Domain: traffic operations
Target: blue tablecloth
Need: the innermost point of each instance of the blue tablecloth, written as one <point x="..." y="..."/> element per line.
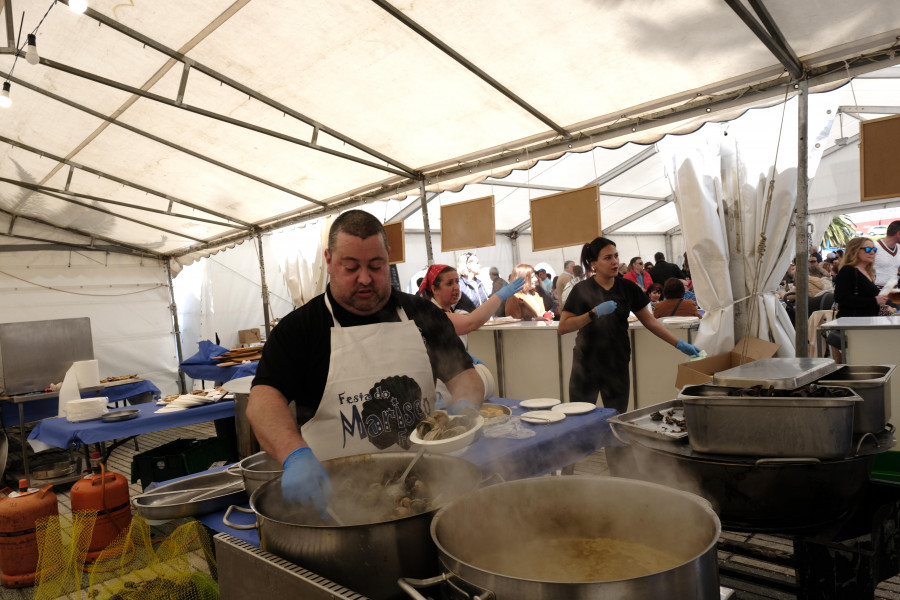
<point x="61" y="433"/>
<point x="49" y="407"/>
<point x="555" y="446"/>
<point x="202" y="366"/>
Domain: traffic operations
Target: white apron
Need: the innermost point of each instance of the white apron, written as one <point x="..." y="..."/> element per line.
<point x="379" y="386"/>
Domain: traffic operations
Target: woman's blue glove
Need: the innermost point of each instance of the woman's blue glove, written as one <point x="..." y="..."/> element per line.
<point x="688" y="348"/>
<point x="305" y="481"/>
<point x="509" y="290"/>
<point x="604" y="308"/>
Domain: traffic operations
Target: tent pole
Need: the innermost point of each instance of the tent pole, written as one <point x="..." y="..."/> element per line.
<point x="424" y="199"/>
<point x="265" y="287"/>
<point x="182" y="388"/>
<point x="801" y="280"/>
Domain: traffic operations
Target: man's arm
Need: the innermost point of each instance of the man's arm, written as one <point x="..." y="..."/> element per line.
<point x="272" y="422"/>
<point x="467" y="386"/>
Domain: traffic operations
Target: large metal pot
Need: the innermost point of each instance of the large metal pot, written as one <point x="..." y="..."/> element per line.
<point x="370" y="557"/>
<point x="757" y="494"/>
<point x="508" y="519"/>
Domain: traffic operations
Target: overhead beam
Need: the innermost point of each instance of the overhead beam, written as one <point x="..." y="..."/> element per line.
<point x="769" y="34"/>
<point x="212" y="115"/>
<point x="124" y="182"/>
<point x="639" y="214"/>
<point x="46" y="189"/>
<point x="869" y="110"/>
<point x="163" y="49"/>
<point x="840" y="144"/>
<point x="58" y="246"/>
<point x="470" y="66"/>
<point x="412" y="208"/>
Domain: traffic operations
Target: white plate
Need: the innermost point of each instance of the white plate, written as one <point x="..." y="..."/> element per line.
<point x="542" y="417"/>
<point x="574" y="408"/>
<point x="538" y="403"/>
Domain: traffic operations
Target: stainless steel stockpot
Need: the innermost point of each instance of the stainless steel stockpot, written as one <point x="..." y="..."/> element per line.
<point x="505" y="516"/>
<point x="367" y="558"/>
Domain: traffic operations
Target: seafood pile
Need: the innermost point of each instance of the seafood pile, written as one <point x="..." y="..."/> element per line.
<point x="386" y="500"/>
<point x="441" y="426"/>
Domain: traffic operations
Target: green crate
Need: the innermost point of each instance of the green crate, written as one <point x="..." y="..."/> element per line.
<point x="177" y="459"/>
<point x="886" y="466"/>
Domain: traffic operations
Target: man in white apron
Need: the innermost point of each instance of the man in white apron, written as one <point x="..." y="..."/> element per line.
<point x="359" y="362"/>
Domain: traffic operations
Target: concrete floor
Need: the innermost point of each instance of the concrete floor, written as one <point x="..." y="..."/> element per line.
<point x="595" y="464"/>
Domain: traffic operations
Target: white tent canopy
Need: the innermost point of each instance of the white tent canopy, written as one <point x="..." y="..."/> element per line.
<point x="172" y="130"/>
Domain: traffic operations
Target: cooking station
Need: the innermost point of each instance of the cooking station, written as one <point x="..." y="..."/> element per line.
<point x="782" y="446"/>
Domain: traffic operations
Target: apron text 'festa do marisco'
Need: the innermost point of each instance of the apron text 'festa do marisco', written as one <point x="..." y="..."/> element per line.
<point x="379" y="386"/>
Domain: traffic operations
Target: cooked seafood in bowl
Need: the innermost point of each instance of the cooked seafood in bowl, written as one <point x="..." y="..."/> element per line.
<point x="445" y="433"/>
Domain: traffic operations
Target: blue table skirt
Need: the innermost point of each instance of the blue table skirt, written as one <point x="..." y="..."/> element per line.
<point x="49" y="407"/>
<point x="555" y="446"/>
<point x="61" y="433"/>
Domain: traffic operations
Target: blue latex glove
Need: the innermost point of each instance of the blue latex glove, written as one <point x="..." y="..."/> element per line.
<point x="305" y="481"/>
<point x="462" y="407"/>
<point x="510" y="289"/>
<point x="604" y="308"/>
<point x="688" y="348"/>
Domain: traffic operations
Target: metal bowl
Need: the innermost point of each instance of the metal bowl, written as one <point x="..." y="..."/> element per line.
<point x="191" y="496"/>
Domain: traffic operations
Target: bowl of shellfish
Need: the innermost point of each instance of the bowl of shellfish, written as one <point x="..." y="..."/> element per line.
<point x="442" y="432"/>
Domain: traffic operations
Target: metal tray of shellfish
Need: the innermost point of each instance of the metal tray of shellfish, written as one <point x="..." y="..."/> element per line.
<point x="663" y="421"/>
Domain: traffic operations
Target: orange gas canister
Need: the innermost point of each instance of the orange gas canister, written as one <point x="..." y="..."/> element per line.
<point x="106" y="493"/>
<point x="18" y="543"/>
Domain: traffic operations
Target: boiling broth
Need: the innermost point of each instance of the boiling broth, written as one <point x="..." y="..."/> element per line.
<point x="578" y="560"/>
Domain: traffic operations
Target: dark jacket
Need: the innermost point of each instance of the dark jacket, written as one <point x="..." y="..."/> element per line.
<point x="663" y="270"/>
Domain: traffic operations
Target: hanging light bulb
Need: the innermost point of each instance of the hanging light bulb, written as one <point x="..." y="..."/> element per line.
<point x="5" y="100"/>
<point x="78" y="6"/>
<point x="31" y="53"/>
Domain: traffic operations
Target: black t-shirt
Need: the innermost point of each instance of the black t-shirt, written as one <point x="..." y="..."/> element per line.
<point x="609" y="333"/>
<point x="297" y="353"/>
<point x="662" y="270"/>
<point x="855" y="294"/>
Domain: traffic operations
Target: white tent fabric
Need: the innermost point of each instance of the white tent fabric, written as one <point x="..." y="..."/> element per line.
<point x="299" y="252"/>
<point x="740" y="239"/>
<point x="174" y="128"/>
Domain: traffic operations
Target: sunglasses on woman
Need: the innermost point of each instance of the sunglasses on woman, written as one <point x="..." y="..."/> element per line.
<point x="870" y="249"/>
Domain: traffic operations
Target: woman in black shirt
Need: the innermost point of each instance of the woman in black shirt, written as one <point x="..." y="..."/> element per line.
<point x="855" y="291"/>
<point x="598" y="309"/>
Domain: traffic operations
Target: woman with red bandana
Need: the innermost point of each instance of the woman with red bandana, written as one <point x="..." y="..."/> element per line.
<point x="441" y="286"/>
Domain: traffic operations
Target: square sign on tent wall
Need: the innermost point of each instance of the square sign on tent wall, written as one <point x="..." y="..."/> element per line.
<point x="878" y="172"/>
<point x="468" y="224"/>
<point x="397" y="252"/>
<point x="566" y="219"/>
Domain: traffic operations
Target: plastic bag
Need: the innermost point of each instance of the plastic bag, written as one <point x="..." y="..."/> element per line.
<point x="511" y="427"/>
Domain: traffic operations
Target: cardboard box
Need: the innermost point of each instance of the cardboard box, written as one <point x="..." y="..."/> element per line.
<point x="249" y="336"/>
<point x="698" y="372"/>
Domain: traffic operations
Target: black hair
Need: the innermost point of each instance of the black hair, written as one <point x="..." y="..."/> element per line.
<point x="357" y="223"/>
<point x="659" y="257"/>
<point x="673" y="288"/>
<point x="591" y="251"/>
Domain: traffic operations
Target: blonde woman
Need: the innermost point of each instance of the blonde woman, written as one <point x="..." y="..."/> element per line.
<point x="527" y="304"/>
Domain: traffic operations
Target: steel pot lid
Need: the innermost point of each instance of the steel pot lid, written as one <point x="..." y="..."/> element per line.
<point x="781" y="373"/>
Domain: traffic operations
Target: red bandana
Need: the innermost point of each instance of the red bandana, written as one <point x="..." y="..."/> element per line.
<point x="430" y="276"/>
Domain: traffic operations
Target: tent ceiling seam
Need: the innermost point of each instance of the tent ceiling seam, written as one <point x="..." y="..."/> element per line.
<point x="136" y="186"/>
<point x="471" y="67"/>
<point x="161" y="48"/>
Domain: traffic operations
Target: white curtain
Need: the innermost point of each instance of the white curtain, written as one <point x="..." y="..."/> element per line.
<point x="300" y="253"/>
<point x="739" y="240"/>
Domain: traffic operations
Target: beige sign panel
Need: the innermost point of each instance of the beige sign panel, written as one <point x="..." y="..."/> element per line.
<point x="879" y="158"/>
<point x="565" y="219"/>
<point x="396" y="239"/>
<point x="468" y="224"/>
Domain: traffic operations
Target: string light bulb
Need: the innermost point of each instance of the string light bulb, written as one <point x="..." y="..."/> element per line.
<point x="31" y="53"/>
<point x="5" y="100"/>
<point x="78" y="6"/>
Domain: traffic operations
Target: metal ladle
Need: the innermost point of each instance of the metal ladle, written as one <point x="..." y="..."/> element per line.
<point x="419" y="454"/>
